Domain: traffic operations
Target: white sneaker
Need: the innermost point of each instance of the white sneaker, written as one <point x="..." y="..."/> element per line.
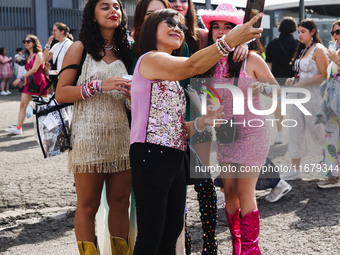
<point x="292" y="174"/>
<point x="279" y="138"/>
<point x="3" y="93"/>
<point x="281" y="189"/>
<point x="13" y="130"/>
<point x="8" y="92"/>
<point x="220" y="199"/>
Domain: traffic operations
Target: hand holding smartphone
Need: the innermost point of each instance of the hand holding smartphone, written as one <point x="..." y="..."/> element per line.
<point x="253" y="8"/>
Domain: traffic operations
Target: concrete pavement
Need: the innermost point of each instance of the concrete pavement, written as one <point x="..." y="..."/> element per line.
<point x="37" y="203"/>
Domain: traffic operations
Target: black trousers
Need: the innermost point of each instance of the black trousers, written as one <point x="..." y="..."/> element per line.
<point x="158" y="181"/>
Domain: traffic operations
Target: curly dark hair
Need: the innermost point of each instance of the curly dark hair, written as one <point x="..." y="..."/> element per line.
<point x="93" y="40"/>
<point x="287" y="26"/>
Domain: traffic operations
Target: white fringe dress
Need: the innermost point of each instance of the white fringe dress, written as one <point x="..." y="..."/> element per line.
<point x="99" y="130"/>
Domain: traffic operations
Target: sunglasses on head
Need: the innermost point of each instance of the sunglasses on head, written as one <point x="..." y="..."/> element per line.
<point x="172" y="24"/>
<point x="335" y="32"/>
<point x="26" y="41"/>
<point x="173" y="1"/>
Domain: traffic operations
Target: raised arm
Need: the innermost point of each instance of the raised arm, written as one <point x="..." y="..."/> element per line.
<point x="159" y="65"/>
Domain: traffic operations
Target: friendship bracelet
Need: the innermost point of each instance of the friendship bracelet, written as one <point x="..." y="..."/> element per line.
<point x="223" y="52"/>
<point x="81" y="93"/>
<point x="196" y="128"/>
<point x="226" y="44"/>
<point x="100" y="86"/>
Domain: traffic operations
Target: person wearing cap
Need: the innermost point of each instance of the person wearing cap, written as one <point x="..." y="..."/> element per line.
<point x="244" y="153"/>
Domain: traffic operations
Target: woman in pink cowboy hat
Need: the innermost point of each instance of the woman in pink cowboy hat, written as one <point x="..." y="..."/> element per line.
<point x="244" y="153"/>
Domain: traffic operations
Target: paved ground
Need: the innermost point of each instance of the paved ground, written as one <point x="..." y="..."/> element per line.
<point x="37" y="203"/>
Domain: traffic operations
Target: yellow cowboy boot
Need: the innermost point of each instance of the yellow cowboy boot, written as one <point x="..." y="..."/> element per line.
<point x="87" y="248"/>
<point x="119" y="246"/>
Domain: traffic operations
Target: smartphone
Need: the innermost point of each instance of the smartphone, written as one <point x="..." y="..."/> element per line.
<point x="253" y="8"/>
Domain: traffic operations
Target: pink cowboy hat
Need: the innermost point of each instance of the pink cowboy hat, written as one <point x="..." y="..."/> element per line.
<point x="224" y="12"/>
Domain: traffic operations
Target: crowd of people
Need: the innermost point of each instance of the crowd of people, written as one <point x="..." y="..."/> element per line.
<point x="133" y="134"/>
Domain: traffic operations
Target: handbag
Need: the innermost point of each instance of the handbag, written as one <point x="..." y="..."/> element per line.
<point x="228" y="133"/>
<point x="32" y="86"/>
<point x="195" y="170"/>
<point x="52" y="120"/>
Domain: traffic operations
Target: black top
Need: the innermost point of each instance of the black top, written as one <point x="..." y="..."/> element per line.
<point x="280" y="58"/>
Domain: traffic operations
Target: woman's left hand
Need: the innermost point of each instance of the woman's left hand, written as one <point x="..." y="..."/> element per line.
<point x="333" y="56"/>
<point x="240" y="52"/>
<point x="257" y="88"/>
<point x="16" y="82"/>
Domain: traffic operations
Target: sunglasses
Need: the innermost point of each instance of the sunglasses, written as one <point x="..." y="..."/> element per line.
<point x="337" y="32"/>
<point x="26" y="41"/>
<point x="173" y="1"/>
<point x="172" y="24"/>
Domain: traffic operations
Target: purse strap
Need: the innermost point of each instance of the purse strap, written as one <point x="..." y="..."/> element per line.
<point x="73" y="66"/>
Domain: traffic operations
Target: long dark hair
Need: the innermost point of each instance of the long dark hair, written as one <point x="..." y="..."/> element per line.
<point x="232" y="65"/>
<point x="138" y="19"/>
<point x="2" y="51"/>
<point x="310" y="25"/>
<point x="191" y="37"/>
<point x="147" y="40"/>
<point x="93" y="40"/>
<point x="37" y="46"/>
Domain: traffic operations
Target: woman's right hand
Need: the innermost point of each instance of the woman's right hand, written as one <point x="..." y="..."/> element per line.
<point x="244" y="33"/>
<point x="117" y="83"/>
<point x="289" y="81"/>
<point x="50" y="40"/>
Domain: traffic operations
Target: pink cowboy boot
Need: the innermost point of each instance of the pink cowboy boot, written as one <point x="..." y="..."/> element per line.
<point x="234" y="227"/>
<point x="250" y="230"/>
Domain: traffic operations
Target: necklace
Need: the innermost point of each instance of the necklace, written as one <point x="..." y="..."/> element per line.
<point x="109" y="47"/>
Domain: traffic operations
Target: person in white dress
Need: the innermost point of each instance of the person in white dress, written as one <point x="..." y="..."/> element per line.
<point x="310" y="63"/>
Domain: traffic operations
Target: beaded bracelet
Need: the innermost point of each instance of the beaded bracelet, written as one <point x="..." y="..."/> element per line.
<point x="225" y="44"/>
<point x="223" y="52"/>
<point x="22" y="78"/>
<point x="91" y="88"/>
<point x="196" y="128"/>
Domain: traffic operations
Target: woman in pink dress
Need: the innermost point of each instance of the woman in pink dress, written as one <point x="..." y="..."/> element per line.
<point x="5" y="72"/>
<point x="250" y="150"/>
<point x="34" y="65"/>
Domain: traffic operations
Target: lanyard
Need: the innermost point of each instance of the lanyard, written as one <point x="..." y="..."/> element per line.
<point x="304" y="51"/>
<point x="301" y="55"/>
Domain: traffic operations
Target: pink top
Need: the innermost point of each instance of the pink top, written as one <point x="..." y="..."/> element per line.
<point x="158" y="112"/>
<point x="5" y="68"/>
<point x="38" y="76"/>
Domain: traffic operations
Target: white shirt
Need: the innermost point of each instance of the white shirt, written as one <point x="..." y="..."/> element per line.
<point x="63" y="46"/>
